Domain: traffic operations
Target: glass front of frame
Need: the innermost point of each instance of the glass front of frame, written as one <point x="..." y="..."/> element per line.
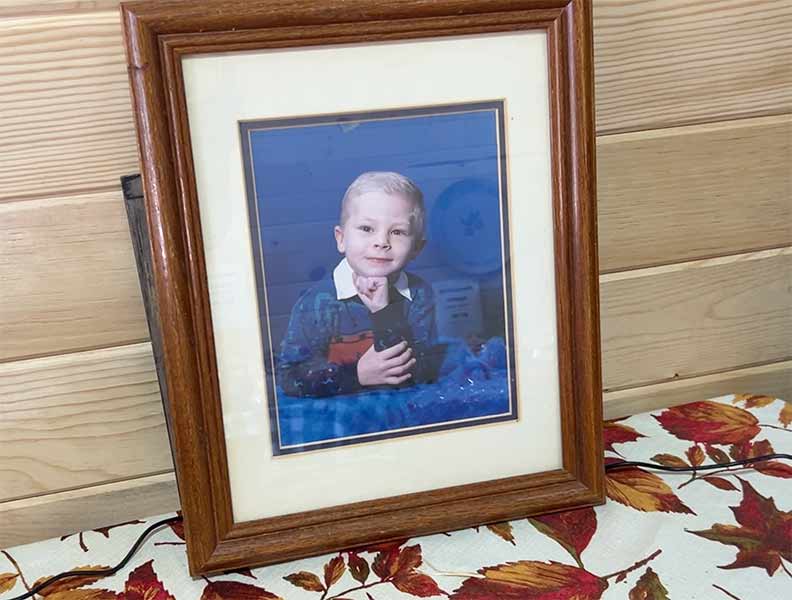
<point x="439" y="264"/>
<point x="380" y="242"/>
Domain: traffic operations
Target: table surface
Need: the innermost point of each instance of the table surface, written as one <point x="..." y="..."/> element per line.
<point x="718" y="534"/>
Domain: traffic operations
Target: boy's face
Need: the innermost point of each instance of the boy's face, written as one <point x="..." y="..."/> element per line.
<point x="379" y="236"/>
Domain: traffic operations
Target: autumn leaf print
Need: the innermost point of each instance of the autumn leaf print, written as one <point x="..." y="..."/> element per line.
<point x="642" y="491"/>
<point x="358" y="567"/>
<point x="572" y="529"/>
<point x="532" y="580"/>
<point x="648" y="587"/>
<point x="305" y="580"/>
<point x="503" y="530"/>
<point x="616" y="433"/>
<point x="59" y="588"/>
<point x="142" y="584"/>
<point x="232" y="590"/>
<point x="763" y="536"/>
<point x="7" y="581"/>
<point x="709" y="423"/>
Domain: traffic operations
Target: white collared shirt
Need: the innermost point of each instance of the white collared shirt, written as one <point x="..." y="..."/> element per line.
<point x="345" y="285"/>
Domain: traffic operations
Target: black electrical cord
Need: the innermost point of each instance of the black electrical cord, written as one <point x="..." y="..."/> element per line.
<point x="623" y="464"/>
<point x="99" y="572"/>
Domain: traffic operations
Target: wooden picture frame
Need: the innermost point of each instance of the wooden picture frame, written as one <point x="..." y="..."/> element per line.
<point x="159" y="36"/>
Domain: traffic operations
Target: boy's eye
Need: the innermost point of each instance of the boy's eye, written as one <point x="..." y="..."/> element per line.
<point x="399" y="232"/>
<point x="366" y="228"/>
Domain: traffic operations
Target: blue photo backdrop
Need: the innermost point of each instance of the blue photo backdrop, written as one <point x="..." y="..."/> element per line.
<point x="297" y="172"/>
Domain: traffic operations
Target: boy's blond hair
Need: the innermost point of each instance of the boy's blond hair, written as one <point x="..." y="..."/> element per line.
<point x="390" y="183"/>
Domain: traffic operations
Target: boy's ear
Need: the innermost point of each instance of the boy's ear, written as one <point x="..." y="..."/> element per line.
<point x="339" y="238"/>
<point x="419" y="245"/>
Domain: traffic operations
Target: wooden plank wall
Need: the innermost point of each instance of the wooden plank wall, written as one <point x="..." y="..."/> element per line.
<point x="694" y="118"/>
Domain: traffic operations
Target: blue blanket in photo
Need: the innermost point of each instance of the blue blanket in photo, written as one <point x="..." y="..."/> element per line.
<point x="468" y="386"/>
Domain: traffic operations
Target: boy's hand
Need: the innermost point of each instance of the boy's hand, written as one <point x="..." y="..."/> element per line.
<point x="389" y="367"/>
<point x="373" y="291"/>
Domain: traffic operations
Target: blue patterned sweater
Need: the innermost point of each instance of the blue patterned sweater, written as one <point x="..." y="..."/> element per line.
<point x="326" y="337"/>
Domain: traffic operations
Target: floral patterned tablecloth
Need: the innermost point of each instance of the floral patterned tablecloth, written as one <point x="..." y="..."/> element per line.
<point x="718" y="534"/>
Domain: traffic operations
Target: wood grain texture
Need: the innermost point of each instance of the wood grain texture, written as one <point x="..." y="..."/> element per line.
<point x="67" y="124"/>
<point x="80" y="419"/>
<point x="69" y="277"/>
<point x="669" y="62"/>
<point x="156" y="36"/>
<point x="62" y="513"/>
<point x="694" y="192"/>
<point x="697" y="317"/>
<point x="774" y="379"/>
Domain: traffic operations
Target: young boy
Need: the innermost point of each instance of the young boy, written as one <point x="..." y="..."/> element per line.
<point x="372" y="324"/>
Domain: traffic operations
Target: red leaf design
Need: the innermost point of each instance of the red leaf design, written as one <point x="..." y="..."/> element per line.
<point x="720" y="483"/>
<point x="142" y="584"/>
<point x="178" y="528"/>
<point x="709" y="422"/>
<point x="503" y="530"/>
<point x="774" y="469"/>
<point x="747" y="450"/>
<point x="305" y="580"/>
<point x="532" y="580"/>
<point x="572" y="529"/>
<point x="387" y="564"/>
<point x="233" y="590"/>
<point x="643" y="491"/>
<point x="416" y="584"/>
<point x="616" y="433"/>
<point x="333" y="570"/>
<point x="358" y="567"/>
<point x="695" y="455"/>
<point x="764" y="534"/>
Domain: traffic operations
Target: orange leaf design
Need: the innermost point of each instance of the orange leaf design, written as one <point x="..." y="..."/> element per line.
<point x="669" y="460"/>
<point x="333" y="570"/>
<point x="616" y="433"/>
<point x="388" y="563"/>
<point x="648" y="587"/>
<point x="83" y="594"/>
<point x="416" y="584"/>
<point x="7" y="581"/>
<point x="142" y="584"/>
<point x="572" y="529"/>
<point x="642" y="491"/>
<point x="748" y="450"/>
<point x="532" y="580"/>
<point x="695" y="455"/>
<point x="753" y="400"/>
<point x="717" y="455"/>
<point x="785" y="416"/>
<point x="358" y="567"/>
<point x="709" y="422"/>
<point x="763" y="536"/>
<point x="305" y="580"/>
<point x="503" y="530"/>
<point x="232" y="590"/>
<point x="70" y="583"/>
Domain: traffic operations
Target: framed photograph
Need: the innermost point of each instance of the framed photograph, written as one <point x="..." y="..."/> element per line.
<point x="373" y="240"/>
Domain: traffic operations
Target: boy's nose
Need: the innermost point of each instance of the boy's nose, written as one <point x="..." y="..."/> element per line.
<point x="382" y="242"/>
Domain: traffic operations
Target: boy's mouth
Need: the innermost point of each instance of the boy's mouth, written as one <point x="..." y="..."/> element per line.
<point x="379" y="261"/>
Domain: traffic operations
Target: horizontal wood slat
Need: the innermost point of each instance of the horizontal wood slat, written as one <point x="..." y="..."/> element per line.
<point x="774" y="379"/>
<point x="69" y="277"/>
<point x="698" y="317"/>
<point x="665" y="195"/>
<point x="62" y="513"/>
<point x="67" y="122"/>
<point x="669" y="62"/>
<point x="64" y="96"/>
<point x="80" y="419"/>
<point x="693" y="192"/>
